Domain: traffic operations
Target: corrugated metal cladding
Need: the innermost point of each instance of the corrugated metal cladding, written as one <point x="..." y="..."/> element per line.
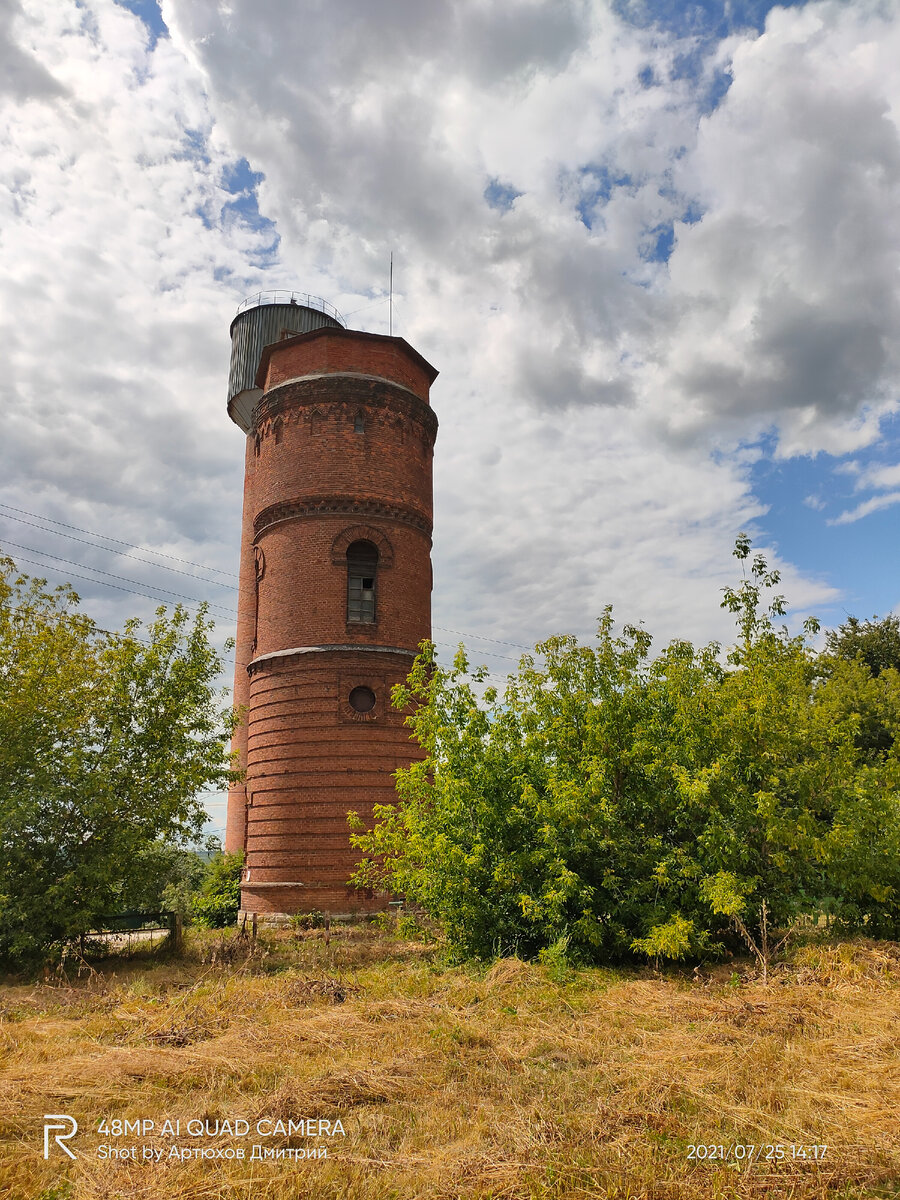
<point x="256" y="328"/>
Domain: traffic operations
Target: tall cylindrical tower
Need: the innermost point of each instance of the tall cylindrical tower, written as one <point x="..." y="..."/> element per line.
<point x="335" y="590"/>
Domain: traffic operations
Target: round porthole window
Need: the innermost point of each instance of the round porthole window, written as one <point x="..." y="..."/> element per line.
<point x="362" y="699"/>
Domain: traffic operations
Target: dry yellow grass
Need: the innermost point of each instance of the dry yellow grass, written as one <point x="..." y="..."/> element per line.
<point x="452" y="1082"/>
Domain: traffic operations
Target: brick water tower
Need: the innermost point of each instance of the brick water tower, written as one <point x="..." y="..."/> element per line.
<point x="335" y="590"/>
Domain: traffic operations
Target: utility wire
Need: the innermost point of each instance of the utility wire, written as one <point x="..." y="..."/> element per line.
<point x="97" y="545"/>
<point x="374" y="304"/>
<point x="497" y="641"/>
<point x="146" y="549"/>
<point x="229" y="613"/>
<point x="70" y="562"/>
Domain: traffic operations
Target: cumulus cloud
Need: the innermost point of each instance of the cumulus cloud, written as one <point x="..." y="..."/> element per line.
<point x="777" y="211"/>
<point x="22" y="76"/>
<point x="619" y="284"/>
<point x="114" y="232"/>
<point x="785" y="292"/>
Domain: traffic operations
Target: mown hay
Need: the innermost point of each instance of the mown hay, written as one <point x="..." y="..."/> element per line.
<point x="459" y="1083"/>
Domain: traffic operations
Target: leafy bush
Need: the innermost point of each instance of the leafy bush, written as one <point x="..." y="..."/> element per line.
<point x="618" y="804"/>
<point x="180" y="882"/>
<point x="309" y="920"/>
<point x="876" y="643"/>
<point x="218" y="899"/>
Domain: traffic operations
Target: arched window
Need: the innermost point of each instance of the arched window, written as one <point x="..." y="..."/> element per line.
<point x="362" y="566"/>
<point x="359" y="423"/>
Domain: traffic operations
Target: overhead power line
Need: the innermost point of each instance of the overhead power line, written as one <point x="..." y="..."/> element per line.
<point x="70" y="562"/>
<point x="118" y="541"/>
<point x="228" y="613"/>
<point x="496" y="641"/>
<point x="109" y="550"/>
<point x="148" y="595"/>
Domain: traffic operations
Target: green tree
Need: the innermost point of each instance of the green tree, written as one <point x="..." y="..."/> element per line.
<point x="218" y="898"/>
<point x="617" y="804"/>
<point x="875" y="642"/>
<point x="105" y="741"/>
<point x="864" y="657"/>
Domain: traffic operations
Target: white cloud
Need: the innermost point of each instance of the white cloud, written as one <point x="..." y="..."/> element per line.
<point x="21" y="74"/>
<point x="778" y="306"/>
<point x="115" y="327"/>
<point x="785" y="293"/>
<point x="874" y="477"/>
<point x="583" y="384"/>
<point x="878" y="477"/>
<point x="875" y="504"/>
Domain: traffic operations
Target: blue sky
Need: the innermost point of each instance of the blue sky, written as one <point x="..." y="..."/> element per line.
<point x="708" y="20"/>
<point x="805" y="496"/>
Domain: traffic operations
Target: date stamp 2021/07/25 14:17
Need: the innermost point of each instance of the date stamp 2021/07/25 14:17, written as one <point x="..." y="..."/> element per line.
<point x="752" y="1152"/>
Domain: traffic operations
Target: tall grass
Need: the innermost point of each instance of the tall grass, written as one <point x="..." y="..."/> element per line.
<point x="510" y="1080"/>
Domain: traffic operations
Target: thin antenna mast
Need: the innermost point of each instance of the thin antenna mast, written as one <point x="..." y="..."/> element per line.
<point x="391" y="318"/>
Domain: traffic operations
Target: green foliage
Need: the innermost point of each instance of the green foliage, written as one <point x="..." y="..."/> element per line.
<point x="105" y="741"/>
<point x="410" y="929"/>
<point x="671" y="940"/>
<point x="178" y="882"/>
<point x="384" y="922"/>
<point x="556" y="959"/>
<point x="875" y="642"/>
<point x="866" y="656"/>
<point x="309" y="920"/>
<point x="725" y="894"/>
<point x="629" y="804"/>
<point x="218" y="899"/>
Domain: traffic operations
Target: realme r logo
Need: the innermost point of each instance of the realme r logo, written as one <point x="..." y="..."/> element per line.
<point x="68" y="1128"/>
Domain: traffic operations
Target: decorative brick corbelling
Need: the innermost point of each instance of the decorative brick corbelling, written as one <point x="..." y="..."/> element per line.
<point x="340" y="396"/>
<point x="343" y="506"/>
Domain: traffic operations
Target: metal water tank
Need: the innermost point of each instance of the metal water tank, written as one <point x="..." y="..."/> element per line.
<point x="261" y="320"/>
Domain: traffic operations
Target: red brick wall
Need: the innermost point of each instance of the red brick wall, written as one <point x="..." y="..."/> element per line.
<point x="234" y="826"/>
<point x="327" y="349"/>
<point x="314" y="483"/>
<point x="311" y="760"/>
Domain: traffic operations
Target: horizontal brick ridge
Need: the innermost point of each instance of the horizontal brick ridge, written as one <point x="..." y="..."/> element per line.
<point x="314" y="375"/>
<point x="279" y="654"/>
<point x="264" y="884"/>
<point x="345" y="506"/>
<point x="344" y="392"/>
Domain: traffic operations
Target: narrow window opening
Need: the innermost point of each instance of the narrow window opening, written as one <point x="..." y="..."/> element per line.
<point x="279" y="432"/>
<point x="362" y="564"/>
<point x="359" y="425"/>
